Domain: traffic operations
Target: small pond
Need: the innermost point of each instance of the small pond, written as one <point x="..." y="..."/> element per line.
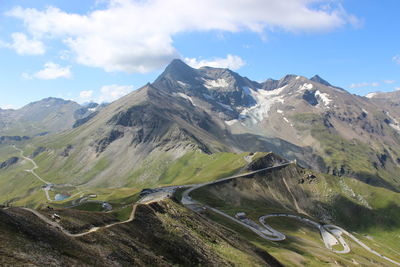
<point x="59" y="197"/>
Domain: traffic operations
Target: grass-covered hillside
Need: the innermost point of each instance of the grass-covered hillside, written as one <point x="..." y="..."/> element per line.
<point x="371" y="213"/>
<point x="19" y="187"/>
<point x="164" y="234"/>
<point x="373" y="161"/>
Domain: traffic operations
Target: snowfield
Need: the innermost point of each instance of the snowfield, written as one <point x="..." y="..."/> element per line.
<point x="306" y="86"/>
<point x="264" y="101"/>
<point x="324" y="97"/>
<point x="216" y="83"/>
<point x="185" y="96"/>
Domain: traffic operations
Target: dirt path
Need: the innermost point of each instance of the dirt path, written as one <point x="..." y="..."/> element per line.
<point x="92" y="230"/>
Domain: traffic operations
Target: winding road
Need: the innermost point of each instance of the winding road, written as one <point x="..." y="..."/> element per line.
<point x="35" y="166"/>
<point x="339" y="229"/>
<point x="47" y="185"/>
<point x="329" y="237"/>
<point x="331" y="234"/>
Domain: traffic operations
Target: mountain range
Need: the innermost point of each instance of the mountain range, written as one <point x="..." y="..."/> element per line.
<point x="217" y="110"/>
<point x="195" y="125"/>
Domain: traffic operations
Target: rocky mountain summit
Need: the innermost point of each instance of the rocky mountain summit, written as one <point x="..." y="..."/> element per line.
<point x="294" y="116"/>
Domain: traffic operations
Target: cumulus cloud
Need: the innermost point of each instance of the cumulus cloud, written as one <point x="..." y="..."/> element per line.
<point x="25" y="46"/>
<point x="86" y="95"/>
<point x="110" y="93"/>
<point x="231" y="62"/>
<point x="50" y="71"/>
<point x="396" y="59"/>
<point x="137" y="36"/>
<point x="364" y="84"/>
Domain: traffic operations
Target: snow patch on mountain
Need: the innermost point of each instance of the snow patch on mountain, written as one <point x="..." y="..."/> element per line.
<point x="394" y="123"/>
<point x="216" y="83"/>
<point x="185" y="96"/>
<point x="279" y="111"/>
<point x="264" y="101"/>
<point x="285" y="119"/>
<point x="371" y="95"/>
<point x="231" y="122"/>
<point x="324" y="97"/>
<point x="184" y="85"/>
<point x="306" y="86"/>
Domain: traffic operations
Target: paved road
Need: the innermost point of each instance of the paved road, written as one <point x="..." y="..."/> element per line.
<point x="330" y="234"/>
<point x="267" y="233"/>
<point x="334" y="227"/>
<point x="187" y="200"/>
<point x="262" y="234"/>
<point x="330" y="239"/>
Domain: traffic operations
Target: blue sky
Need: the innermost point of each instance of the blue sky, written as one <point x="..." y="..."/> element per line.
<point x="100" y="50"/>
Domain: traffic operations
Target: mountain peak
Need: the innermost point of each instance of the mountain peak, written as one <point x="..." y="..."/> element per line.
<point x="178" y="65"/>
<point x="177" y="70"/>
<point x="318" y="79"/>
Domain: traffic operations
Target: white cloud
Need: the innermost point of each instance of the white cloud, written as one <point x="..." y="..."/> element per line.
<point x="86" y="95"/>
<point x="231" y="62"/>
<point x="359" y="85"/>
<point x="397" y="88"/>
<point x="137" y="36"/>
<point x="25" y="46"/>
<point x="110" y="93"/>
<point x="396" y="59"/>
<point x="50" y="71"/>
<point x="389" y="81"/>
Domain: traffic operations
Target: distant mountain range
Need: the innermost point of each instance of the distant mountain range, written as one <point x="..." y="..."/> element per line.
<point x="50" y="115"/>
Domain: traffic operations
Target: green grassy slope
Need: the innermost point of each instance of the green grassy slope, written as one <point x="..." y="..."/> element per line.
<point x="22" y="188"/>
<point x="372" y="213"/>
<point x="351" y="157"/>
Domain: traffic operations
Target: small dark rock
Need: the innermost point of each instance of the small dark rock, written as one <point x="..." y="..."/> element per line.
<point x="37" y="151"/>
<point x="66" y="151"/>
<point x="309" y="96"/>
<point x="9" y="162"/>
